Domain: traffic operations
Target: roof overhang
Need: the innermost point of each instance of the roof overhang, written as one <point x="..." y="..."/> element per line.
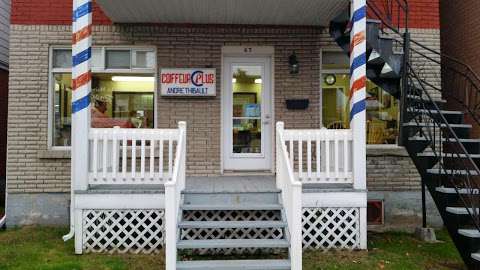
<point x="244" y="12"/>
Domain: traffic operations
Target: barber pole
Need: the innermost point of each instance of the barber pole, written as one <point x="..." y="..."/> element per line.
<point x="81" y="88"/>
<point x="358" y="79"/>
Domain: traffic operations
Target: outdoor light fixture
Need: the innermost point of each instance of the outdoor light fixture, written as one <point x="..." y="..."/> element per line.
<point x="293" y="63"/>
<point x="234" y="80"/>
<point x="132" y="79"/>
<point x="330" y="79"/>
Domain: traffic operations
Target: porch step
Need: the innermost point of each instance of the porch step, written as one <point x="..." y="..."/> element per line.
<point x="233" y="207"/>
<point x="231" y="224"/>
<point x="231" y="198"/>
<point x="235" y="265"/>
<point x="454" y="172"/>
<point x="471" y="233"/>
<point x="476" y="256"/>
<point x="232" y="243"/>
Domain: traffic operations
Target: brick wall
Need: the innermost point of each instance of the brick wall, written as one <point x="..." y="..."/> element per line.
<point x="423" y="13"/>
<point x="34" y="168"/>
<point x="460" y="35"/>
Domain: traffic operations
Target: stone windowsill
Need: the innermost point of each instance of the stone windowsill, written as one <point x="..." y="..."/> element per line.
<point x="54" y="154"/>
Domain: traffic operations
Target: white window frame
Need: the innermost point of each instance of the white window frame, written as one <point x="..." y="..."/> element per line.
<point x="101" y="69"/>
<point x="345" y="71"/>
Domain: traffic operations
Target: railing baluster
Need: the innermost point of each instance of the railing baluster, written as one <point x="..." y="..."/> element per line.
<point x="124" y="155"/>
<point x="160" y="158"/>
<point x="134" y="156"/>
<point x="309" y="156"/>
<point x="345" y="155"/>
<point x="292" y="152"/>
<point x="327" y="156"/>
<point x="317" y="144"/>
<point x="152" y="158"/>
<point x="95" y="155"/>
<point x="114" y="153"/>
<point x="300" y="157"/>
<point x="170" y="155"/>
<point x="336" y="152"/>
<point x="104" y="155"/>
<point x="142" y="156"/>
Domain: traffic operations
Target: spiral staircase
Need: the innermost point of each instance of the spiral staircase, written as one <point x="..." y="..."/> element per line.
<point x="436" y="132"/>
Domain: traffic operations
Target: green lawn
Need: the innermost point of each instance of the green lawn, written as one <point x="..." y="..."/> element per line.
<point x="42" y="248"/>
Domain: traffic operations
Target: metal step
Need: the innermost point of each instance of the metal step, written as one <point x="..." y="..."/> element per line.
<point x="235" y="265"/>
<point x="450" y="172"/>
<point x="476" y="256"/>
<point x="424" y="124"/>
<point x="448" y="155"/>
<point x="235" y="207"/>
<point x="446" y="190"/>
<point x="232" y="243"/>
<point x="471" y="233"/>
<point x="458" y="210"/>
<point x="231" y="224"/>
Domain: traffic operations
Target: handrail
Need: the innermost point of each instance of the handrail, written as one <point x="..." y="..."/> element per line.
<point x="291" y="198"/>
<point x="173" y="190"/>
<point x="462" y="156"/>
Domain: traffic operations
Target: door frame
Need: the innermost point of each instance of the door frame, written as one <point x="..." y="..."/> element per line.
<point x="246" y="52"/>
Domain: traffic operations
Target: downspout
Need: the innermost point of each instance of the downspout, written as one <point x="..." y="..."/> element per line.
<point x="71" y="233"/>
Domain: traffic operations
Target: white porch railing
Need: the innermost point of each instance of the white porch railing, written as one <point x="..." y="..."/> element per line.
<point x="291" y="198"/>
<point x="173" y="189"/>
<point x="321" y="155"/>
<point x="131" y="156"/>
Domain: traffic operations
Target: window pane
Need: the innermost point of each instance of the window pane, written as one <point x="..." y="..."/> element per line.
<point x="118" y="59"/>
<point x="97" y="61"/>
<point x="143" y="59"/>
<point x="382" y="116"/>
<point x="62" y="58"/>
<point x="122" y="100"/>
<point x="335" y="106"/>
<point x="62" y="109"/>
<point x="117" y="100"/>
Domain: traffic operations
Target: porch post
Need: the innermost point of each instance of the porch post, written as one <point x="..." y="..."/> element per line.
<point x="358" y="48"/>
<point x="81" y="85"/>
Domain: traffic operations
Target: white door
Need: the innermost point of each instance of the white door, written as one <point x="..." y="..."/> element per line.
<point x="247" y="113"/>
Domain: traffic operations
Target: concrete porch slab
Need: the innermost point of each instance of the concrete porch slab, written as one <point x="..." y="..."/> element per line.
<point x="260" y="183"/>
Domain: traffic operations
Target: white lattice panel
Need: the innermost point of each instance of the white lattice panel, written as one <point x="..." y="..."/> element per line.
<point x="232" y="215"/>
<point x="122" y="231"/>
<point x="331" y="228"/>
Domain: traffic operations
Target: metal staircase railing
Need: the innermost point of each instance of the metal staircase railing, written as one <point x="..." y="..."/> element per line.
<point x="460" y="171"/>
<point x="459" y="83"/>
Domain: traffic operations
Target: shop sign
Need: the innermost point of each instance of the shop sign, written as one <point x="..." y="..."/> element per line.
<point x="194" y="82"/>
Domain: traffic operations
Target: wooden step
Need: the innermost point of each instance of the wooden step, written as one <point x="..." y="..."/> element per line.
<point x="235" y="265"/>
<point x="471" y="233"/>
<point x="233" y="207"/>
<point x="231" y="224"/>
<point x="232" y="243"/>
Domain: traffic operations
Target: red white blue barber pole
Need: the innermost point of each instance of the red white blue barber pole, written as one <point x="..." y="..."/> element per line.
<point x="358" y="62"/>
<point x="81" y="87"/>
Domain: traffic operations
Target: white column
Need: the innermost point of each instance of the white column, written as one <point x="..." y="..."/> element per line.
<point x="81" y="85"/>
<point x="358" y="48"/>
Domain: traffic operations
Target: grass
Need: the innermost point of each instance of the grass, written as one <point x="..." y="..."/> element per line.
<point x="42" y="248"/>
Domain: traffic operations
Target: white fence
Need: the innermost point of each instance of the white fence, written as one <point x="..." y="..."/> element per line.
<point x="131" y="156"/>
<point x="173" y="195"/>
<point x="321" y="155"/>
<point x="291" y="198"/>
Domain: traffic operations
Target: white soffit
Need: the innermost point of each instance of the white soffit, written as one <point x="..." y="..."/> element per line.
<point x="251" y="12"/>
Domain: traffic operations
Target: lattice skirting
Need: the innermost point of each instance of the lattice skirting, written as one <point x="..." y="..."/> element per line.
<point x="122" y="231"/>
<point x="331" y="228"/>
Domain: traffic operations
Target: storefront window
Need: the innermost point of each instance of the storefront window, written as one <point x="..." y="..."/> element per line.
<point x="117" y="99"/>
<point x="382" y="108"/>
